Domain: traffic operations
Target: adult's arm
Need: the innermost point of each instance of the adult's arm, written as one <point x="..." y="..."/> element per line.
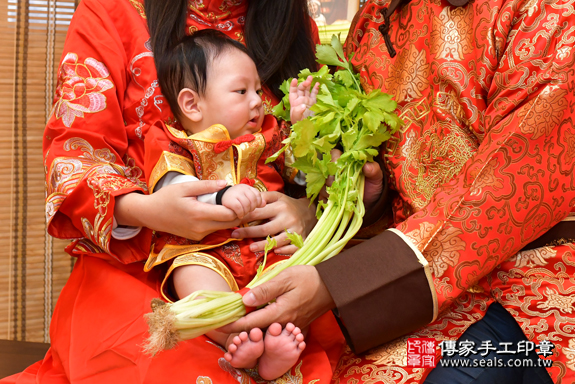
<point x="517" y="186"/>
<point x="85" y="142"/>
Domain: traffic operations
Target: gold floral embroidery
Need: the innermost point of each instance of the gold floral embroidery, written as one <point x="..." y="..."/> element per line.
<point x="392" y="353"/>
<point x="570" y="354"/>
<point x="533" y="257"/>
<point x="53" y="203"/>
<point x="238" y="374"/>
<point x="560" y="301"/>
<point x="452" y="33"/>
<point x="443" y="246"/>
<point x="102" y="175"/>
<point x="484" y="176"/>
<point x="433" y="159"/>
<point x="408" y="76"/>
<point x="268" y="106"/>
<point x="296" y="378"/>
<point x="232" y="251"/>
<point x="102" y="184"/>
<point x="80" y="88"/>
<point x="570" y="142"/>
<point x="540" y="116"/>
<point x="139" y="7"/>
<point x="203" y="380"/>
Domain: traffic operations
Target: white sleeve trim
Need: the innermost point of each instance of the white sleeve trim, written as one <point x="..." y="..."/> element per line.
<point x="124" y="232"/>
<point x="177" y="178"/>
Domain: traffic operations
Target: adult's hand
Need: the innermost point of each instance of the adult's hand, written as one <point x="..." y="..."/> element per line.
<point x="284" y="213"/>
<point x="301" y="297"/>
<point x="373" y="181"/>
<point x="175" y="209"/>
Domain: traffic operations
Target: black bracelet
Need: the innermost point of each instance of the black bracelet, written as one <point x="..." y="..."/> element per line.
<point x="220" y="194"/>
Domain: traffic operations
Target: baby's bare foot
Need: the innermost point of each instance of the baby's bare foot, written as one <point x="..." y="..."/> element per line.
<point x="282" y="350"/>
<point x="245" y="350"/>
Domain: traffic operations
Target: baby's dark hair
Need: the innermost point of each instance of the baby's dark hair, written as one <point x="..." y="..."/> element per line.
<point x="186" y="64"/>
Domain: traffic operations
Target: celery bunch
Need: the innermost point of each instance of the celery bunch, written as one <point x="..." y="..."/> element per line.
<point x="344" y="117"/>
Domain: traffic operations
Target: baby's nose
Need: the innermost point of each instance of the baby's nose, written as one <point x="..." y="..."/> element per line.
<point x="256" y="100"/>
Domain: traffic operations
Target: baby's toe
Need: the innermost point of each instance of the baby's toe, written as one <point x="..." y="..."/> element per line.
<point x="243" y="336"/>
<point x="275" y="329"/>
<point x="256" y="335"/>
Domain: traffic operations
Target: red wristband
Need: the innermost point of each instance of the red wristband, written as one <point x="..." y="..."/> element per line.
<point x="242" y="292"/>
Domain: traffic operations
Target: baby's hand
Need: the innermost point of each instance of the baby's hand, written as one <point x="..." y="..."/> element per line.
<point x="301" y="98"/>
<point x="242" y="199"/>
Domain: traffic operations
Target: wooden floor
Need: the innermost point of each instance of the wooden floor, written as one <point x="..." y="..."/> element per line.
<point x="15" y="356"/>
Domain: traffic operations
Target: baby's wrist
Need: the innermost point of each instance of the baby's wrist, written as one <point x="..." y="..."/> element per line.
<point x="220" y="194"/>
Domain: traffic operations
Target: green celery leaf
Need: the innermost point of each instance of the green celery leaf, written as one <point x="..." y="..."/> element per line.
<point x="345" y="77"/>
<point x="321" y="206"/>
<point x="348" y="138"/>
<point x="325" y="96"/>
<point x="392" y="120"/>
<point x="271" y="243"/>
<point x="275" y="156"/>
<point x="338" y="48"/>
<point x="315" y="182"/>
<point x="323" y="144"/>
<point x="372" y="140"/>
<point x="380" y="101"/>
<point x="285" y="86"/>
<point x="372" y="120"/>
<point x="326" y="55"/>
<point x="295" y="239"/>
<point x="304" y="132"/>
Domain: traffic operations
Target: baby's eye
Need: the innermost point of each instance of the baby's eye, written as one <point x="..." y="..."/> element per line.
<point x="241" y="91"/>
<point x="260" y="92"/>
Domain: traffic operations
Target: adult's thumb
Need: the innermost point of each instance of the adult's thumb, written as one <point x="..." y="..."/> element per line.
<point x="202" y="187"/>
<point x="263" y="294"/>
<point x="373" y="173"/>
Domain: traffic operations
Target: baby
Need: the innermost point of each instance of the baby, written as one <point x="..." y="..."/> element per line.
<point x="213" y="88"/>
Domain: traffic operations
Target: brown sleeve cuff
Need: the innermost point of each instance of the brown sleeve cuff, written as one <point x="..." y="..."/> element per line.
<point x="380" y="289"/>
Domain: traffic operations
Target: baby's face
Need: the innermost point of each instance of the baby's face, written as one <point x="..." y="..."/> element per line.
<point x="233" y="94"/>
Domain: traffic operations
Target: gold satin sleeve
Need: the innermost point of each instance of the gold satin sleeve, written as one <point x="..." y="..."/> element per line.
<point x="204" y="260"/>
<point x="171" y="251"/>
<point x="170" y="162"/>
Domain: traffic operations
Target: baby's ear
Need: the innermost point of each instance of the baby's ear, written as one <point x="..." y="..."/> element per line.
<point x="188" y="103"/>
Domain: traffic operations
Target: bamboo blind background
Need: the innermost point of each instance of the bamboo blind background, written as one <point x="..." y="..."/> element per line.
<point x="32" y="34"/>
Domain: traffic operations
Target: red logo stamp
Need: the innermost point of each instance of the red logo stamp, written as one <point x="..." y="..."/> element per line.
<point x="421" y="353"/>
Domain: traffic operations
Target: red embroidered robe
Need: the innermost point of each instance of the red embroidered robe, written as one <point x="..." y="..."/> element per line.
<point x="482" y="167"/>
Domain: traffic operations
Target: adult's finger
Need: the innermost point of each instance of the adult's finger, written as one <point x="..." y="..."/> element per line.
<point x="286" y="250"/>
<point x="217" y="213"/>
<point x="280" y="239"/>
<point x="373" y="183"/>
<point x="259" y="296"/>
<point x="201" y="187"/>
<point x="262" y="230"/>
